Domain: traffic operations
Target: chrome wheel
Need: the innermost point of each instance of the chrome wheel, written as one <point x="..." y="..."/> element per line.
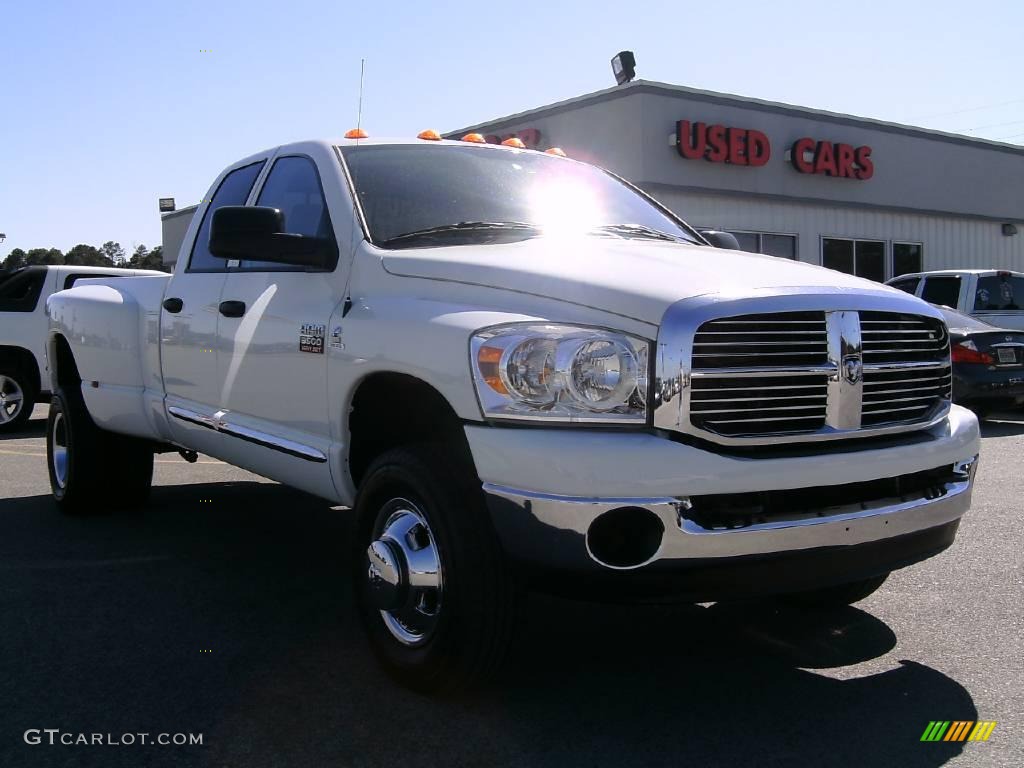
<point x="59" y="450"/>
<point x="403" y="571"/>
<point x="12" y="399"/>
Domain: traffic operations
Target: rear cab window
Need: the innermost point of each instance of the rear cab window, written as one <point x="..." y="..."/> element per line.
<point x="942" y="289"/>
<point x="999" y="292"/>
<point x="234" y="189"/>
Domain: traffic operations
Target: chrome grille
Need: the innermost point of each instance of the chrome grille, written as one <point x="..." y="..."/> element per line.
<point x="758" y="404"/>
<point x="907" y="393"/>
<point x="787" y="338"/>
<point x="893" y="337"/>
<point x="816" y="373"/>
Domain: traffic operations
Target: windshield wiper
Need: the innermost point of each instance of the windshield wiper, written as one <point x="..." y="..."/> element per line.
<point x="639" y="230"/>
<point x="463" y="226"/>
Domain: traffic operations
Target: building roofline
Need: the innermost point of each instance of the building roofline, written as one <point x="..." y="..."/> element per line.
<point x="729" y="99"/>
<point x="179" y="212"/>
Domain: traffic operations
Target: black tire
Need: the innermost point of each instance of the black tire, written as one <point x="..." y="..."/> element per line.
<point x="97" y="471"/>
<point x="15" y="382"/>
<point x="467" y="637"/>
<point x="838" y="596"/>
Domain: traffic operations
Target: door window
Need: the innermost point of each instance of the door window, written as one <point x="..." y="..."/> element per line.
<point x="942" y="290"/>
<point x="293" y="187"/>
<point x="908" y="284"/>
<point x="20" y="292"/>
<point x="233" y="190"/>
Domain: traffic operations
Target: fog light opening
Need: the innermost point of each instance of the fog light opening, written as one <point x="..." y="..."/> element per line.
<point x="627" y="537"/>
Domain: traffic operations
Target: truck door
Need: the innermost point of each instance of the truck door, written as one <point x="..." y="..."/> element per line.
<point x="189" y="317"/>
<point x="273" y="365"/>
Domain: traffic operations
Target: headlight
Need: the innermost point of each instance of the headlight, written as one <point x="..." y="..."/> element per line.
<point x="560" y="373"/>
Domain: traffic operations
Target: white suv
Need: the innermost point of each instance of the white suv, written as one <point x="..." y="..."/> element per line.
<point x="994" y="295"/>
<point x="23" y="324"/>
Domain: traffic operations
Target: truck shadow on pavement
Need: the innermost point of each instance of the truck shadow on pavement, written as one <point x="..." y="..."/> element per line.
<point x="224" y="609"/>
<point x="32" y="428"/>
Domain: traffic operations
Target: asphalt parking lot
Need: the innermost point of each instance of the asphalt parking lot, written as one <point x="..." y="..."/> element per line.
<point x="223" y="609"/>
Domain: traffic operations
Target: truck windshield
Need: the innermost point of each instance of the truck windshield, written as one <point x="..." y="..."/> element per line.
<point x="416" y="195"/>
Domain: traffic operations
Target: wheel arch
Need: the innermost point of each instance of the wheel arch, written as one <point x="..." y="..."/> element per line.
<point x="390" y="409"/>
<point x="63" y="368"/>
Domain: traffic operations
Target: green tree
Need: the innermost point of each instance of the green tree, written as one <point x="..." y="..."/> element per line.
<point x="87" y="256"/>
<point x="139" y="255"/>
<point x="44" y="256"/>
<point x="113" y="251"/>
<point x="155" y="260"/>
<point x="15" y="260"/>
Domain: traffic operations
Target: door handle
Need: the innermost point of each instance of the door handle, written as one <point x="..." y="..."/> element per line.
<point x="173" y="305"/>
<point x="232" y="308"/>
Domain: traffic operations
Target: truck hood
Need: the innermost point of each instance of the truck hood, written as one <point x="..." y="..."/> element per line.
<point x="639" y="279"/>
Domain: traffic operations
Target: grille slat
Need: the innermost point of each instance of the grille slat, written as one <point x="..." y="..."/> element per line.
<point x="763" y="420"/>
<point x="767" y="374"/>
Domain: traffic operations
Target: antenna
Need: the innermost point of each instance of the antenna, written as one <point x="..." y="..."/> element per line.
<point x="362" y="71"/>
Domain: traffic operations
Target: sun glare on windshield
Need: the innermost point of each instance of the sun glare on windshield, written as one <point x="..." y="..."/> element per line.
<point x="564" y="207"/>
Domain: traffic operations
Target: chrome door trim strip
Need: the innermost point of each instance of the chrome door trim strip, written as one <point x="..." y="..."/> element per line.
<point x="280" y="444"/>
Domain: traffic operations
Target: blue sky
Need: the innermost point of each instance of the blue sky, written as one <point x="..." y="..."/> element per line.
<point x="108" y="106"/>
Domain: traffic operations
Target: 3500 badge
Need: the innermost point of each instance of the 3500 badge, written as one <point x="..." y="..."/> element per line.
<point x="311" y="338"/>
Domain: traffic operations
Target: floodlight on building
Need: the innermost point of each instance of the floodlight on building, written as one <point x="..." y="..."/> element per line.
<point x="624" y="67"/>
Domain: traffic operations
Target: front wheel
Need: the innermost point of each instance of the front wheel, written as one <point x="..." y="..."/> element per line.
<point x="432" y="587"/>
<point x="837" y="596"/>
<point x="92" y="470"/>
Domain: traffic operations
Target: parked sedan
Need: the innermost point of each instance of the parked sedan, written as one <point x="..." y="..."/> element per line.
<point x="988" y="363"/>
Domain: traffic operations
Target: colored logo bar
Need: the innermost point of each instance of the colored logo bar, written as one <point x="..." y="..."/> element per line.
<point x="958" y="730"/>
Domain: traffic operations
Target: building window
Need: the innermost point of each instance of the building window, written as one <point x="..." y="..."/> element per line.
<point x="863" y="258"/>
<point x="768" y="243"/>
<point x="907" y="258"/>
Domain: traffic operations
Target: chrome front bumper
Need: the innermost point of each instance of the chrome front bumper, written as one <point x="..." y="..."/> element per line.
<point x="554" y="530"/>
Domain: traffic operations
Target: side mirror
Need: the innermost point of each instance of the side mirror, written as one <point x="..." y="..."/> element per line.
<point x="258" y="233"/>
<point x="720" y="239"/>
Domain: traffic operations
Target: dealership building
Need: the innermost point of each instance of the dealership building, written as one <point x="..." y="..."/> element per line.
<point x="863" y="196"/>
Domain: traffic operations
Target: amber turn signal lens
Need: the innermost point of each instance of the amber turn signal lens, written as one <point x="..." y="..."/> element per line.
<point x="429" y="135"/>
<point x="514" y="142"/>
<point x="558" y="151"/>
<point x="488" y="359"/>
<point x="476" y="138"/>
<point x="356" y="133"/>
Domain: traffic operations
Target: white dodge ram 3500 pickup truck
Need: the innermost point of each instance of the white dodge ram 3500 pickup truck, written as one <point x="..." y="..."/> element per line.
<point x="512" y="364"/>
<point x="23" y="326"/>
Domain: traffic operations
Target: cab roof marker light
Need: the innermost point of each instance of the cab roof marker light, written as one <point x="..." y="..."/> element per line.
<point x="475" y="138"/>
<point x="557" y="151"/>
<point x="514" y="142"/>
<point x="356" y="133"/>
<point x="429" y="135"/>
